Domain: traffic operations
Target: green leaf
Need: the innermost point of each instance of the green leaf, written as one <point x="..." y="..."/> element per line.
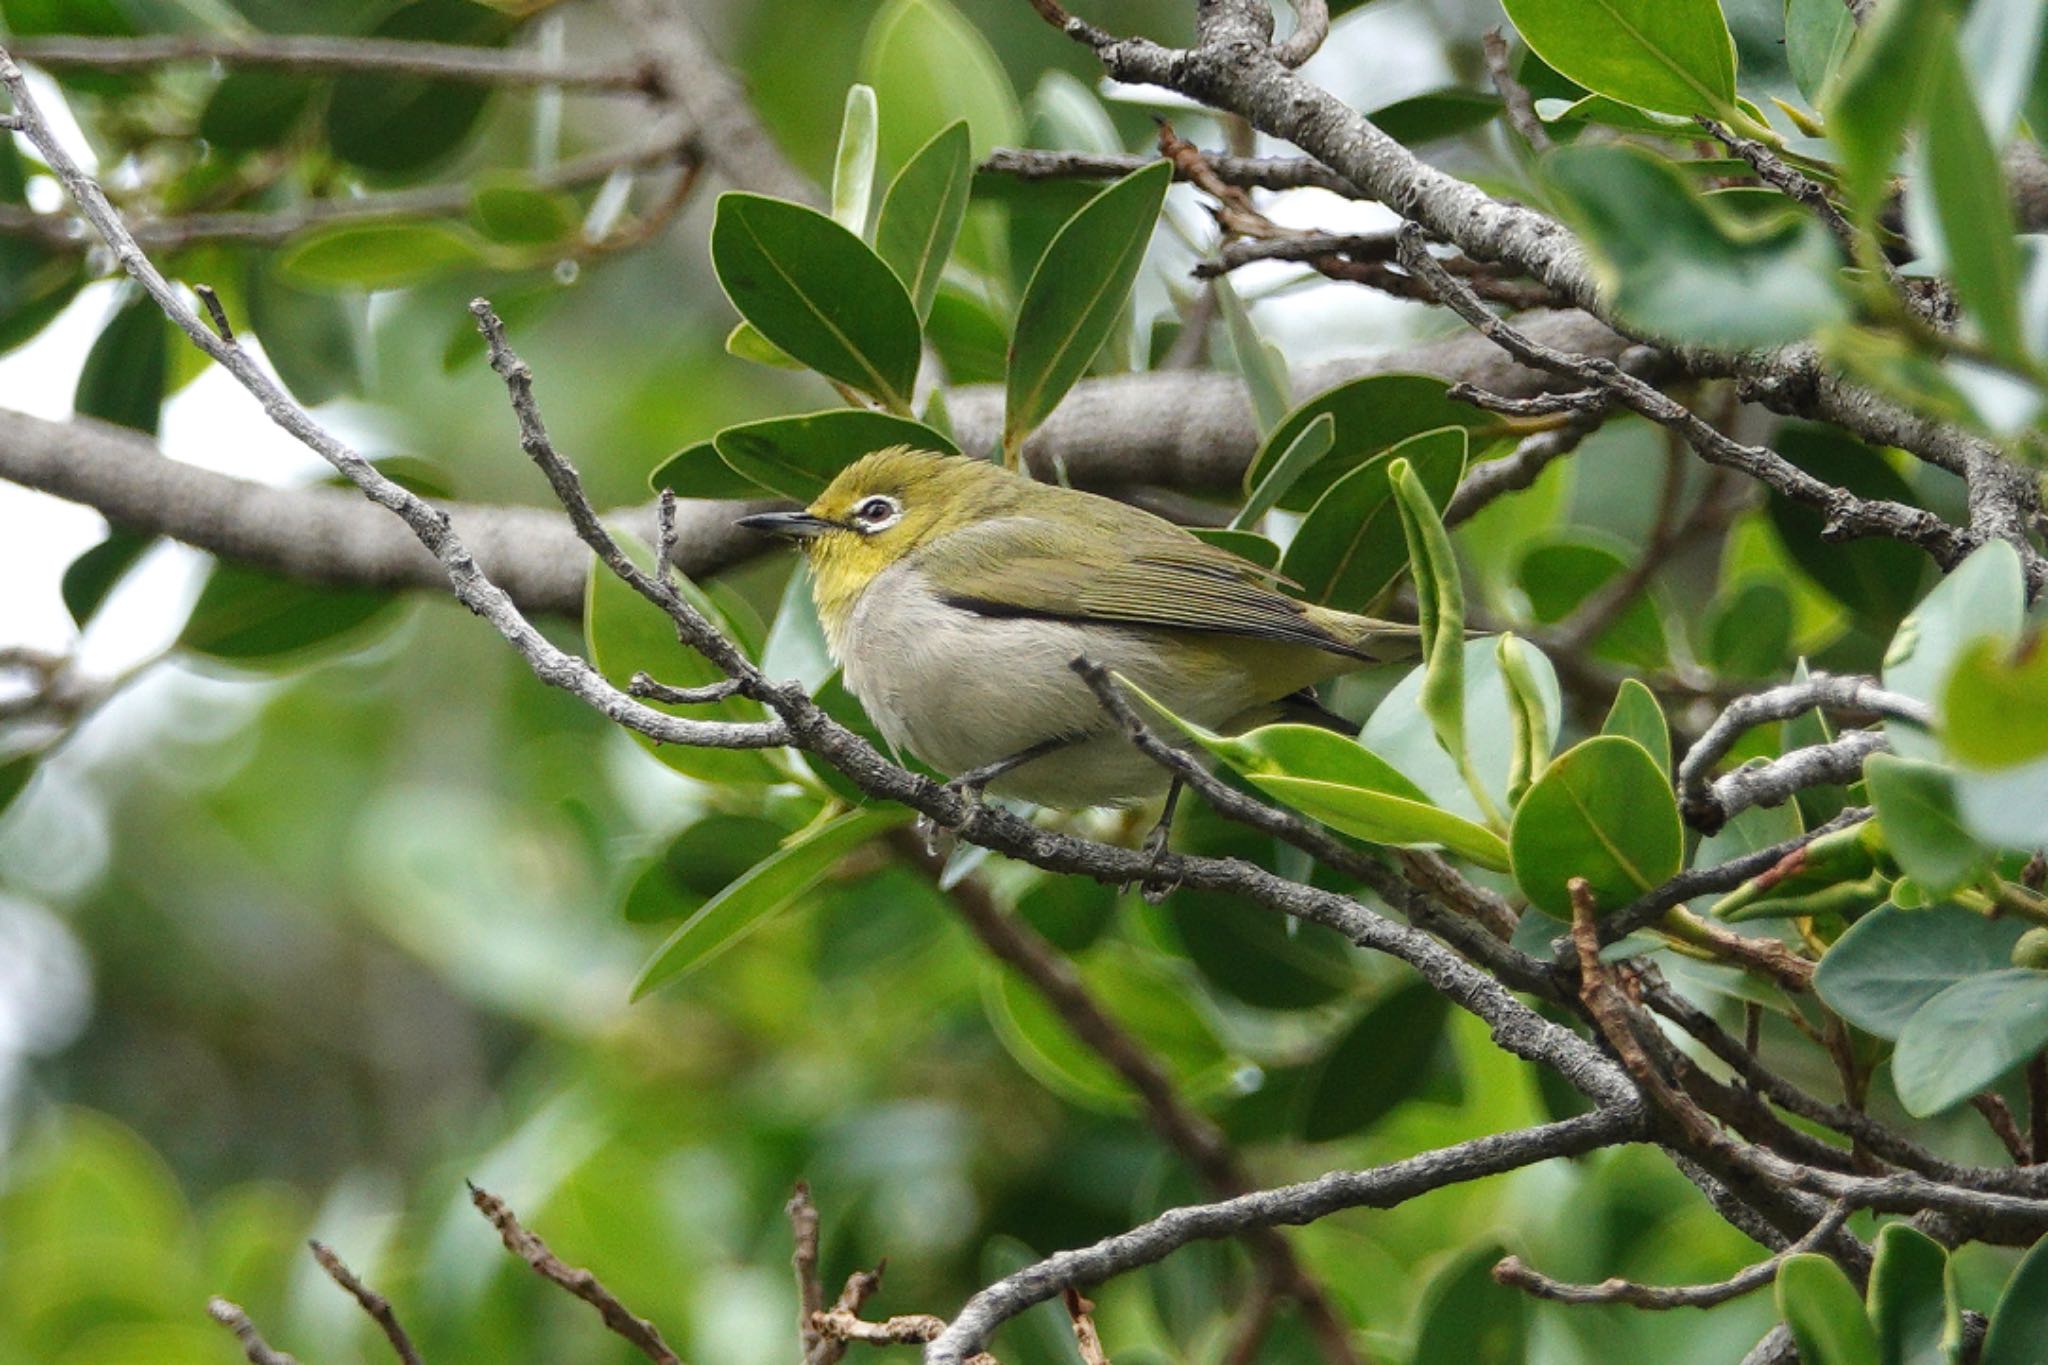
<point x="1891" y="962"/>
<point x="1636" y="715"/>
<point x="393" y="123"/>
<point x="90" y="577"/>
<point x="317" y="341"/>
<point x="819" y="293"/>
<point x="2019" y="1324"/>
<point x="15" y="773"/>
<point x="1825" y="1312"/>
<point x="385" y="254"/>
<point x="1436" y="114"/>
<point x="922" y="213"/>
<point x="626" y="634"/>
<point x="1370" y="413"/>
<point x="1071" y="912"/>
<point x="1469" y="1317"/>
<point x="931" y="67"/>
<point x="1876" y="578"/>
<point x="1310" y="444"/>
<point x="767" y="888"/>
<point x="1346" y="552"/>
<point x="125" y="372"/>
<point x="1265" y="376"/>
<point x="1074" y="295"/>
<point x="970" y="334"/>
<point x="1398" y="731"/>
<point x="1749" y="630"/>
<point x="745" y="342"/>
<point x="698" y="863"/>
<point x="1981" y="599"/>
<point x="1672" y="56"/>
<point x="1526" y="707"/>
<point x="1880" y="92"/>
<point x="1440" y="606"/>
<point x="1244" y="544"/>
<point x="797" y="456"/>
<point x="2001" y="44"/>
<point x="1994" y="713"/>
<point x="1909" y="1304"/>
<point x="1972" y="213"/>
<point x="853" y="167"/>
<point x="509" y="207"/>
<point x="253" y="109"/>
<point x="1259" y="959"/>
<point x="1916" y="804"/>
<point x="1339" y="783"/>
<point x="1603" y="811"/>
<point x="1968" y="1037"/>
<point x="1817" y="38"/>
<point x="1149" y="1000"/>
<point x="1556" y="573"/>
<point x="696" y="471"/>
<point x="255" y="618"/>
<point x="1677" y="268"/>
<point x="1381" y="1060"/>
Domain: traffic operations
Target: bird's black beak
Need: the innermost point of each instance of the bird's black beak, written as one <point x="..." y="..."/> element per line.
<point x="795" y="525"/>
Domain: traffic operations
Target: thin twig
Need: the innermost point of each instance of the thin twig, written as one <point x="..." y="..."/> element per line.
<point x="637" y="1331"/>
<point x="803" y="1260"/>
<point x="254" y="1347"/>
<point x="1998" y="1117"/>
<point x="217" y="311"/>
<point x="1513" y="1271"/>
<point x="1247" y="172"/>
<point x="313" y="55"/>
<point x="373" y="1303"/>
<point x="1519" y="470"/>
<point x="1521" y="109"/>
<point x="1086" y="1339"/>
<point x="1311" y="28"/>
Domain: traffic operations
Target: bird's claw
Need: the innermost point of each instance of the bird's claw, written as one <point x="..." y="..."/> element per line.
<point x="1154" y="887"/>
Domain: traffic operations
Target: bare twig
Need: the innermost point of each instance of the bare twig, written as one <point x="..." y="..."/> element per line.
<point x="1515" y="1272"/>
<point x="1998" y="1118"/>
<point x="1086" y="1339"/>
<point x="1248" y="172"/>
<point x="1515" y="472"/>
<point x="315" y="55"/>
<point x="803" y="1260"/>
<point x="254" y="1347"/>
<point x="1521" y="109"/>
<point x="216" y="311"/>
<point x="1311" y="28"/>
<point x="640" y="1333"/>
<point x="373" y="1303"/>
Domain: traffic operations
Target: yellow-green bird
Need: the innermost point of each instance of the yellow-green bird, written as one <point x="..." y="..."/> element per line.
<point x="955" y="596"/>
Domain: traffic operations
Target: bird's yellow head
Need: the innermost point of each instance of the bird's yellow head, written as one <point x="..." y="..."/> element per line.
<point x="879" y="509"/>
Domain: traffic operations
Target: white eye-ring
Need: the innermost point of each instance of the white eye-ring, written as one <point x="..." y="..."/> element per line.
<point x="877" y="513"/>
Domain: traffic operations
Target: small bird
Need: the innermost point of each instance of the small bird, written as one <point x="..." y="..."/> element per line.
<point x="955" y="596"/>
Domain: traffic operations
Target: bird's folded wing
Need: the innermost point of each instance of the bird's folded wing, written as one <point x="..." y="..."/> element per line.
<point x="1141" y="575"/>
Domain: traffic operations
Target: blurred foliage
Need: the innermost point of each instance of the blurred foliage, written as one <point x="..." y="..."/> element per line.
<point x="337" y="907"/>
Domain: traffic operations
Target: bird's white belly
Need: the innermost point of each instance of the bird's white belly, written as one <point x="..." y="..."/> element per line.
<point x="961" y="690"/>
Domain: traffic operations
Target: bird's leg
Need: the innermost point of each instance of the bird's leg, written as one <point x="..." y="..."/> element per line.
<point x="1151" y="887"/>
<point x="974" y="781"/>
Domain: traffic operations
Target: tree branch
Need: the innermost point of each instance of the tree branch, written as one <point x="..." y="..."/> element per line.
<point x="373" y="1303"/>
<point x="317" y="55"/>
<point x="254" y="1348"/>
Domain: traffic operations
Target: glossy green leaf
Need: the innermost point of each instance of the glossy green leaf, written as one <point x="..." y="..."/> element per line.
<point x="1070" y="912"/>
<point x="1265" y="375"/>
<point x="1972" y="212"/>
<point x="1817" y="38"/>
<point x="1381" y="1060"/>
<point x="625" y="634"/>
<point x="1436" y="114"/>
<point x="1891" y="962"/>
<point x="1916" y="803"/>
<point x="1636" y="715"/>
<point x="1749" y="631"/>
<point x="2019" y="1323"/>
<point x="1673" y="56"/>
<point x="853" y="167"/>
<point x="797" y="456"/>
<point x="1469" y="1317"/>
<point x="1349" y="548"/>
<point x="1873" y="577"/>
<point x="1398" y="731"/>
<point x="1530" y="724"/>
<point x="819" y="293"/>
<point x="1995" y="713"/>
<point x="1678" y="269"/>
<point x="696" y="471"/>
<point x="1968" y="1037"/>
<point x="1557" y="573"/>
<point x="255" y="618"/>
<point x="1370" y="414"/>
<point x="1981" y="599"/>
<point x="1337" y="782"/>
<point x="89" y="578"/>
<point x="1917" y="1321"/>
<point x="1440" y="610"/>
<point x="1310" y="444"/>
<point x="511" y="208"/>
<point x="1244" y="544"/>
<point x="970" y="335"/>
<point x="254" y="109"/>
<point x="1074" y="296"/>
<point x="125" y="373"/>
<point x="699" y="863"/>
<point x="766" y="889"/>
<point x="931" y="67"/>
<point x="385" y="254"/>
<point x="1259" y="959"/>
<point x="1604" y="811"/>
<point x="745" y="342"/>
<point x="1825" y="1312"/>
<point x="396" y="122"/>
<point x="922" y="212"/>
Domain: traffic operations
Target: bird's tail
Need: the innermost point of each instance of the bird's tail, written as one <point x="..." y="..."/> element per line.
<point x="1368" y="637"/>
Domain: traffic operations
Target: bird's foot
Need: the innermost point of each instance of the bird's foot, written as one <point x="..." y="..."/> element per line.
<point x="1154" y="886"/>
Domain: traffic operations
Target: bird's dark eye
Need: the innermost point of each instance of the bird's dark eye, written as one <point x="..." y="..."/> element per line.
<point x="877" y="511"/>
